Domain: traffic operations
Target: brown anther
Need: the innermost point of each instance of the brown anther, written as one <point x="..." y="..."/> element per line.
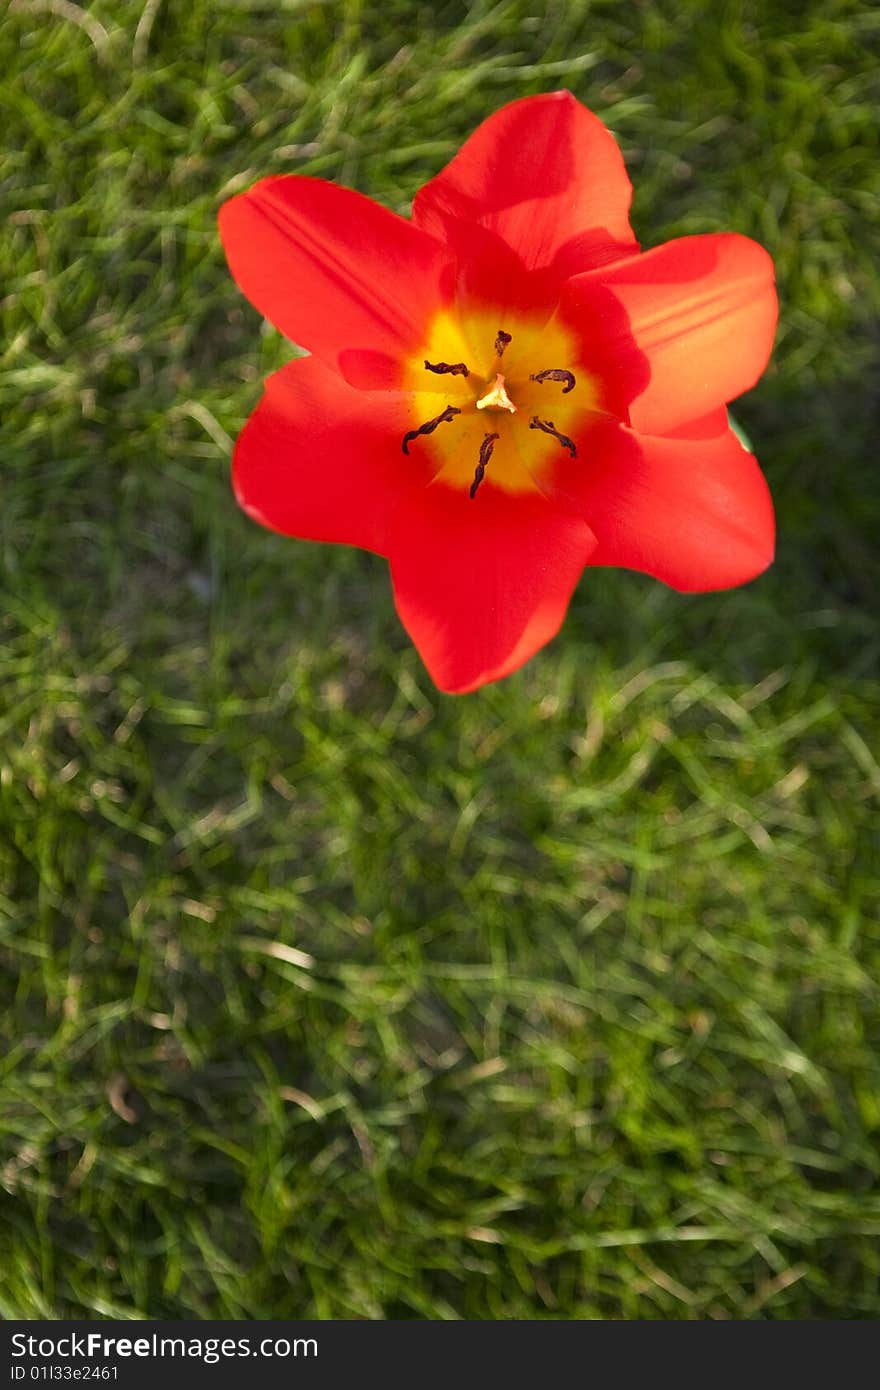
<point x="486" y="448"/>
<point x="549" y="428"/>
<point x="429" y="427"/>
<point x="556" y="374"/>
<point x="501" y="342"/>
<point x="447" y="368"/>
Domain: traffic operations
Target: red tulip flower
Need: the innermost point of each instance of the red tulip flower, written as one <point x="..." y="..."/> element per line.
<point x="504" y="388"/>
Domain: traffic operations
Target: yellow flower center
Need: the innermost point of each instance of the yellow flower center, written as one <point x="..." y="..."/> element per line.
<point x="496" y="402"/>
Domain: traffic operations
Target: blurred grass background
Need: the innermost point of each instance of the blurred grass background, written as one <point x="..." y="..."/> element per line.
<point x="324" y="994"/>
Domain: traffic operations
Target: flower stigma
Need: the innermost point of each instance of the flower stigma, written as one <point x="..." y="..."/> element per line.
<point x="496" y="398"/>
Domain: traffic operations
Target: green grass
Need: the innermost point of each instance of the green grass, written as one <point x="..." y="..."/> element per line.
<point x="324" y="994"/>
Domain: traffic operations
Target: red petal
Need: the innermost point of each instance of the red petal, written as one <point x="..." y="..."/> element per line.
<point x="701" y="315"/>
<point x="547" y="177"/>
<point x="694" y="512"/>
<point x="333" y="270"/>
<point x="482" y="584"/>
<point x="320" y="460"/>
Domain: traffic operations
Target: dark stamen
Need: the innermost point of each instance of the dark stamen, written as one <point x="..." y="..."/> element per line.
<point x="486" y="448"/>
<point x="549" y="428"/>
<point x="556" y="374"/>
<point x="501" y="342"/>
<point x="447" y="368"/>
<point x="429" y="428"/>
